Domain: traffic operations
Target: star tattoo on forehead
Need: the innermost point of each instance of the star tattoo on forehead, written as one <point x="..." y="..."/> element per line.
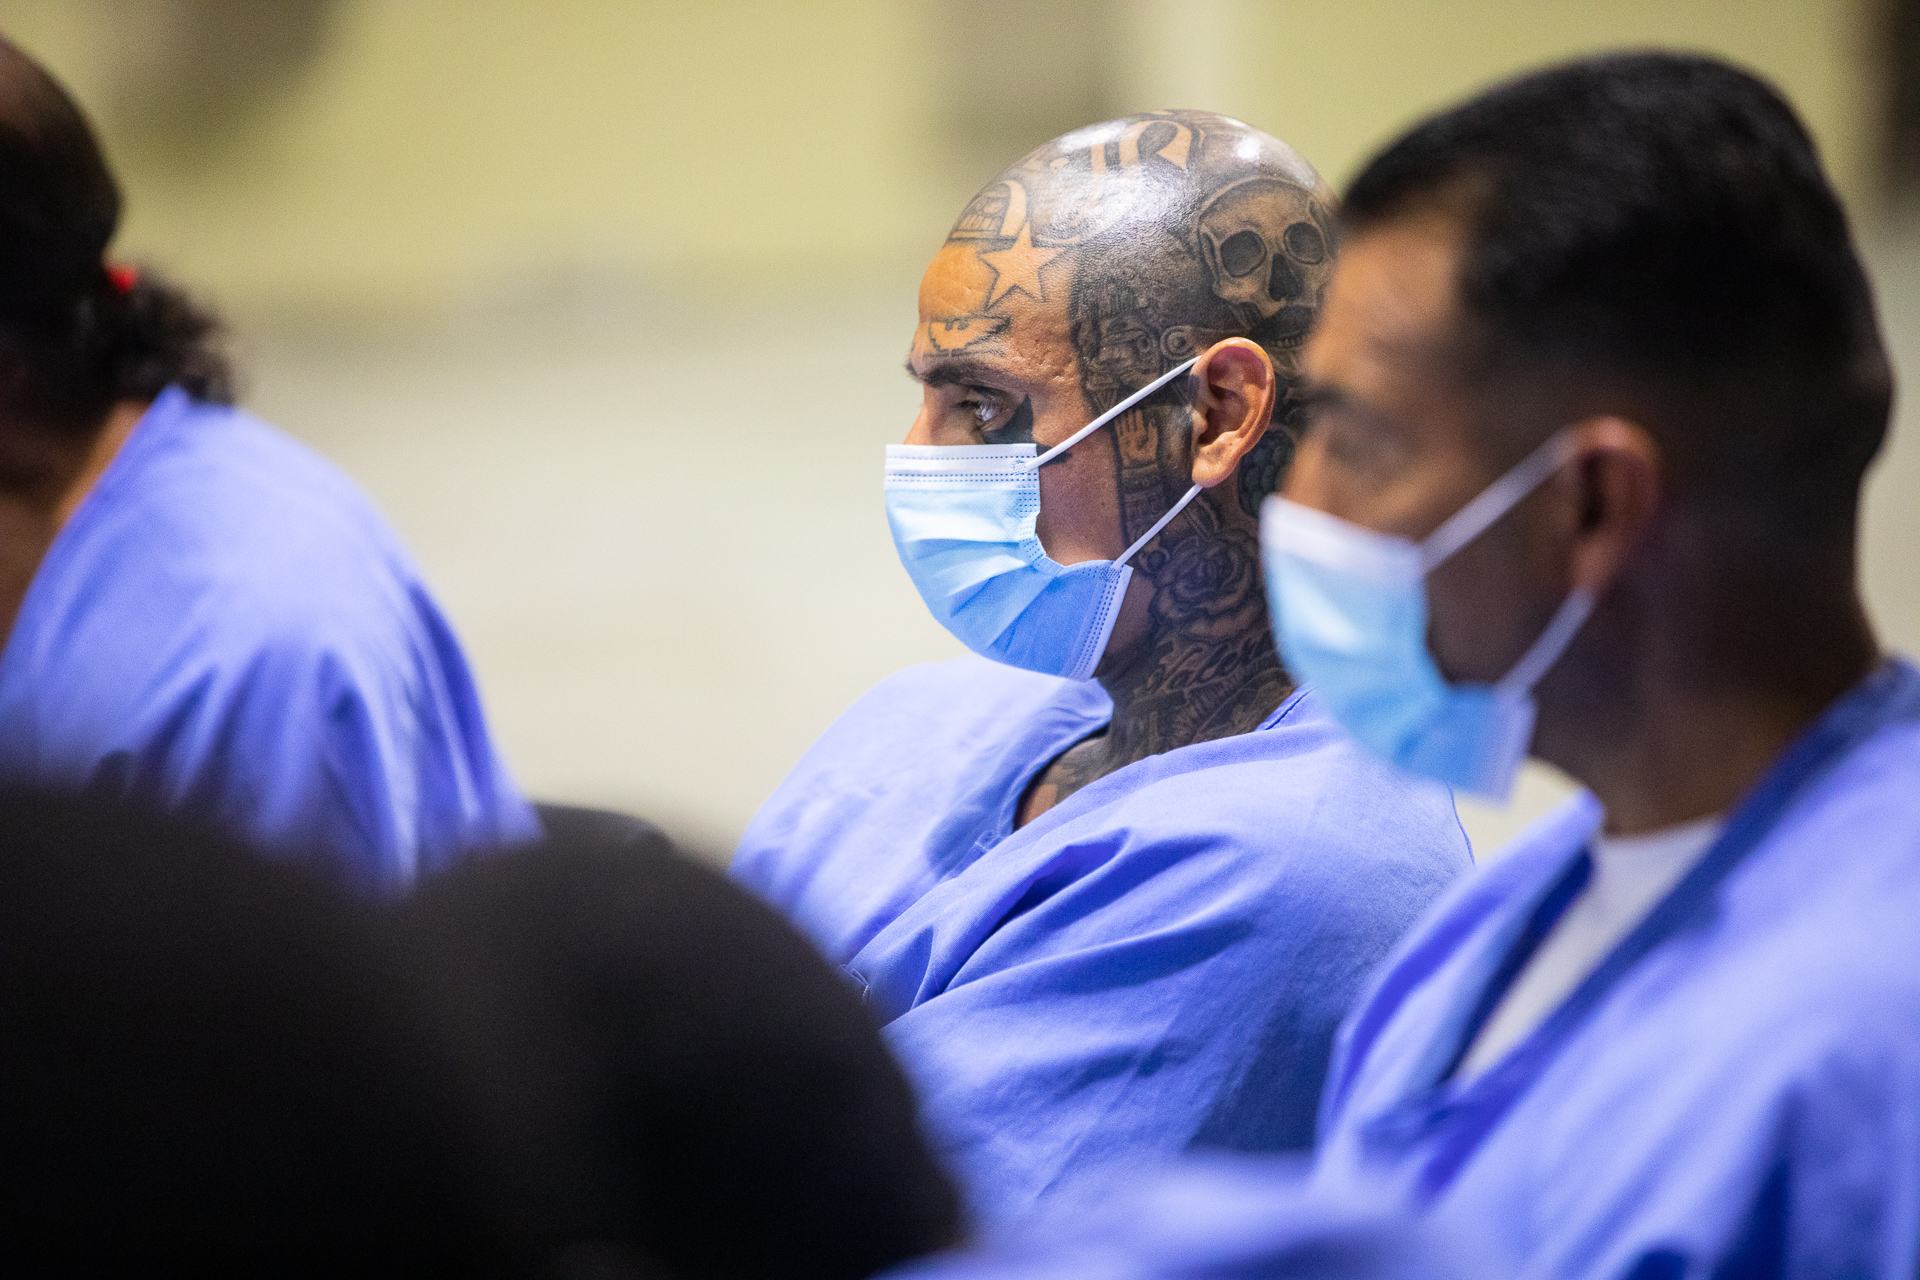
<point x="1017" y="267"/>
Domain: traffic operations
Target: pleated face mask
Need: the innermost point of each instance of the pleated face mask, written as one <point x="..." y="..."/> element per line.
<point x="963" y="523"/>
<point x="1350" y="616"/>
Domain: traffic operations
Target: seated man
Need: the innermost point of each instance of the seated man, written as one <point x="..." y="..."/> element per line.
<point x="1675" y="1031"/>
<point x="1105" y="919"/>
<point x="196" y="609"/>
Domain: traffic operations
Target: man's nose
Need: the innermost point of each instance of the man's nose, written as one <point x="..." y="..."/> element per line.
<point x="921" y="432"/>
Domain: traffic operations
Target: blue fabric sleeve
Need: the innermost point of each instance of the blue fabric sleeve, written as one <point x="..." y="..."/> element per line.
<point x="311" y="755"/>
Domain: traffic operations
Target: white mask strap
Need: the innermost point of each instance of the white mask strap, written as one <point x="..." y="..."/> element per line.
<point x="1498" y="498"/>
<point x="1546" y="651"/>
<point x="1158" y="525"/>
<point x="1111" y="414"/>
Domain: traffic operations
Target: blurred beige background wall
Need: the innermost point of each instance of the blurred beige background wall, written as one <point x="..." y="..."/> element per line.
<point x="395" y="154"/>
<point x="604" y="301"/>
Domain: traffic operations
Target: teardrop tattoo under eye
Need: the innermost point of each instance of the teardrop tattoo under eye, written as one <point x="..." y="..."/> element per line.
<point x="1018" y="430"/>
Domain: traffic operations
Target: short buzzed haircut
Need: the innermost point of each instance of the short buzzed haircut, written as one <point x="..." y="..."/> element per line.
<point x="1657" y="228"/>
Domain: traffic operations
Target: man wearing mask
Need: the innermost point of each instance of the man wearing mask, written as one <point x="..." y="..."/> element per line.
<point x="1111" y="883"/>
<point x="1592" y="395"/>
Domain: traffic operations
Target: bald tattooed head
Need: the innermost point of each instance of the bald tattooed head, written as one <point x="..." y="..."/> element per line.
<point x="1156" y="236"/>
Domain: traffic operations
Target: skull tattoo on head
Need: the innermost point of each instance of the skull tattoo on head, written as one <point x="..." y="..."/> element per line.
<point x="1268" y="251"/>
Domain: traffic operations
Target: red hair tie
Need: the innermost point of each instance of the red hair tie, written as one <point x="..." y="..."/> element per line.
<point x="123" y="276"/>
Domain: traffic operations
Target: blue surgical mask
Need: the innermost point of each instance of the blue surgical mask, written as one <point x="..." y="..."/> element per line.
<point x="963" y="522"/>
<point x="1350" y="615"/>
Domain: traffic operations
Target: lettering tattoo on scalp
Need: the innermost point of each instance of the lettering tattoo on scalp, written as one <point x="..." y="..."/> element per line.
<point x="1164" y="234"/>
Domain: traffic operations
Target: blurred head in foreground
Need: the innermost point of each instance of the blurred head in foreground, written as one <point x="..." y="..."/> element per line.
<point x="209" y="1067"/>
<point x="674" y="1083"/>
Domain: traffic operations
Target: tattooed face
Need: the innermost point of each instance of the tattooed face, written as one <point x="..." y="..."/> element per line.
<point x="1091" y="267"/>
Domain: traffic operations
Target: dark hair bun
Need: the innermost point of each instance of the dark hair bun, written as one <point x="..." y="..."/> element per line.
<point x="153" y="335"/>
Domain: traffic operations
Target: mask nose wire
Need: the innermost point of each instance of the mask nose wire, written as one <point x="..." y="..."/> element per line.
<point x="1110" y="415"/>
<point x="1494" y="501"/>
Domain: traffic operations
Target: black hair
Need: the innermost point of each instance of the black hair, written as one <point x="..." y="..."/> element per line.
<point x="212" y="1065"/>
<point x="1656" y="228"/>
<point x="676" y="1083"/>
<point x="75" y="335"/>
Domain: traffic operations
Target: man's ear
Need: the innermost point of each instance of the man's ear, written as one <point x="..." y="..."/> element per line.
<point x="1615" y="482"/>
<point x="1232" y="407"/>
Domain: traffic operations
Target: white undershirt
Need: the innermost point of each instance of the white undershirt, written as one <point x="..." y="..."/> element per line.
<point x="1630" y="875"/>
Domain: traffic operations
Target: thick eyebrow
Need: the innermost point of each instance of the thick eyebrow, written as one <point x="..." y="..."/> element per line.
<point x="1318" y="398"/>
<point x="1320" y="395"/>
<point x="953" y="371"/>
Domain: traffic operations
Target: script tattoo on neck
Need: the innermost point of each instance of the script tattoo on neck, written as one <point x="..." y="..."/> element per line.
<point x="1167" y="233"/>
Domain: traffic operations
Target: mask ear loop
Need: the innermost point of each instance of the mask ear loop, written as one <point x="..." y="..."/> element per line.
<point x="1494" y="501"/>
<point x="1472" y="520"/>
<point x="1111" y="414"/>
<point x="1545" y="651"/>
<point x="1102" y="421"/>
<point x="1158" y="525"/>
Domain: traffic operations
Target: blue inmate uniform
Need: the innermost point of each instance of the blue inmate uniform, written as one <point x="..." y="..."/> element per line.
<point x="1220" y="1218"/>
<point x="1733" y="1092"/>
<point x="226" y="624"/>
<point x="1156" y="963"/>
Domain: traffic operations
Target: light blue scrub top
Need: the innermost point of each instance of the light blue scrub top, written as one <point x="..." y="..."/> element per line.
<point x="1220" y="1218"/>
<point x="1156" y="963"/>
<point x="226" y="624"/>
<point x="1734" y="1092"/>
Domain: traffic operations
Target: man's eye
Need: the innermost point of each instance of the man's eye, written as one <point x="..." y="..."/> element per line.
<point x="983" y="411"/>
